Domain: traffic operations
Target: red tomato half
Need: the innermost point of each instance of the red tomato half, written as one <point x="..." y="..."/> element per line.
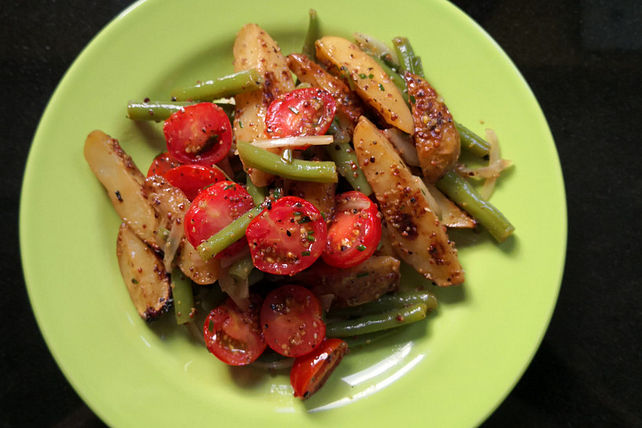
<point x="161" y="164"/>
<point x="213" y="209"/>
<point x="287" y="237"/>
<point x="200" y="134"/>
<point x="310" y="371"/>
<point x="354" y="232"/>
<point x="307" y="111"/>
<point x="291" y="320"/>
<point x="234" y="336"/>
<point x="191" y="179"/>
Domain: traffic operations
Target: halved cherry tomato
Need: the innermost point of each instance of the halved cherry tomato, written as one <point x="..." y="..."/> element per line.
<point x="354" y="232"/>
<point x="291" y="320"/>
<point x="286" y="237"/>
<point x="302" y="112"/>
<point x="191" y="179"/>
<point x="199" y="134"/>
<point x="161" y="164"/>
<point x="310" y="371"/>
<point x="234" y="336"/>
<point x="213" y="209"/>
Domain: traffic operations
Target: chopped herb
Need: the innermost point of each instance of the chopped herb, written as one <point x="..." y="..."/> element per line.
<point x="361" y="247"/>
<point x="412" y="99"/>
<point x="134" y="281"/>
<point x="371" y="76"/>
<point x="240" y="124"/>
<point x="293" y="110"/>
<point x="362" y="274"/>
<point x="381" y="87"/>
<point x="311" y="237"/>
<point x="297" y="213"/>
<point x="305" y="253"/>
<point x="229" y="186"/>
<point x="363" y="76"/>
<point x="305" y="219"/>
<point x="210" y="326"/>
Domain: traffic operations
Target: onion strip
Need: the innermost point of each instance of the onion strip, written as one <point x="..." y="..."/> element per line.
<point x="404" y="145"/>
<point x="294" y="142"/>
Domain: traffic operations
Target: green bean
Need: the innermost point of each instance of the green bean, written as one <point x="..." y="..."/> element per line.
<point x="340" y="133"/>
<point x="228" y="235"/>
<point x="183" y="297"/>
<point x="302" y="170"/>
<point x="367" y="339"/>
<point x="153" y="110"/>
<point x="222" y="87"/>
<point x="257" y="193"/>
<point x="472" y="142"/>
<point x="464" y="195"/>
<point x="407" y="59"/>
<point x="241" y="268"/>
<point x="376" y="322"/>
<point x="311" y="36"/>
<point x="345" y="159"/>
<point x="388" y="302"/>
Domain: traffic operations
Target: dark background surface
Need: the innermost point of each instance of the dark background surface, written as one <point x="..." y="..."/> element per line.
<point x="583" y="60"/>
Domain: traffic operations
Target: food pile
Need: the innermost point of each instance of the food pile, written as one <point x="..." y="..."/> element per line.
<point x="289" y="196"/>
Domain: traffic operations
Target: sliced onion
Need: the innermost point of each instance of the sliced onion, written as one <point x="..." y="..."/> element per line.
<point x="313" y="140"/>
<point x="374" y="46"/>
<point x="404" y="145"/>
<point x="451" y="214"/>
<point x="494" y="156"/>
<point x="238" y="290"/>
<point x="172" y="244"/>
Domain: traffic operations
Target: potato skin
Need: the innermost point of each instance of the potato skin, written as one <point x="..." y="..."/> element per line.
<point x="349" y="106"/>
<point x="123" y="182"/>
<point x="354" y="286"/>
<point x="435" y="136"/>
<point x="416" y="234"/>
<point x="371" y="82"/>
<point x="254" y="48"/>
<point x="171" y="204"/>
<point x="144" y="275"/>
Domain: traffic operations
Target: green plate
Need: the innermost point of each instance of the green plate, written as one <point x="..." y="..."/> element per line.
<point x="450" y="371"/>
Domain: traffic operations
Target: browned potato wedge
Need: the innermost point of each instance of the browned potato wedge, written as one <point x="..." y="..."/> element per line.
<point x="348" y="104"/>
<point x="142" y="270"/>
<point x="371" y="82"/>
<point x="123" y="182"/>
<point x="416" y="234"/>
<point x="354" y="286"/>
<point x="171" y="204"/>
<point x="194" y="267"/>
<point x="254" y="48"/>
<point x="436" y="139"/>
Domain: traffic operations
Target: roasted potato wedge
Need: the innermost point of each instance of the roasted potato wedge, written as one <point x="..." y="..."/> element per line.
<point x="354" y="286"/>
<point x="415" y="231"/>
<point x="371" y="83"/>
<point x="435" y="136"/>
<point x="123" y="182"/>
<point x="171" y="204"/>
<point x="349" y="107"/>
<point x="143" y="273"/>
<point x="254" y="48"/>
